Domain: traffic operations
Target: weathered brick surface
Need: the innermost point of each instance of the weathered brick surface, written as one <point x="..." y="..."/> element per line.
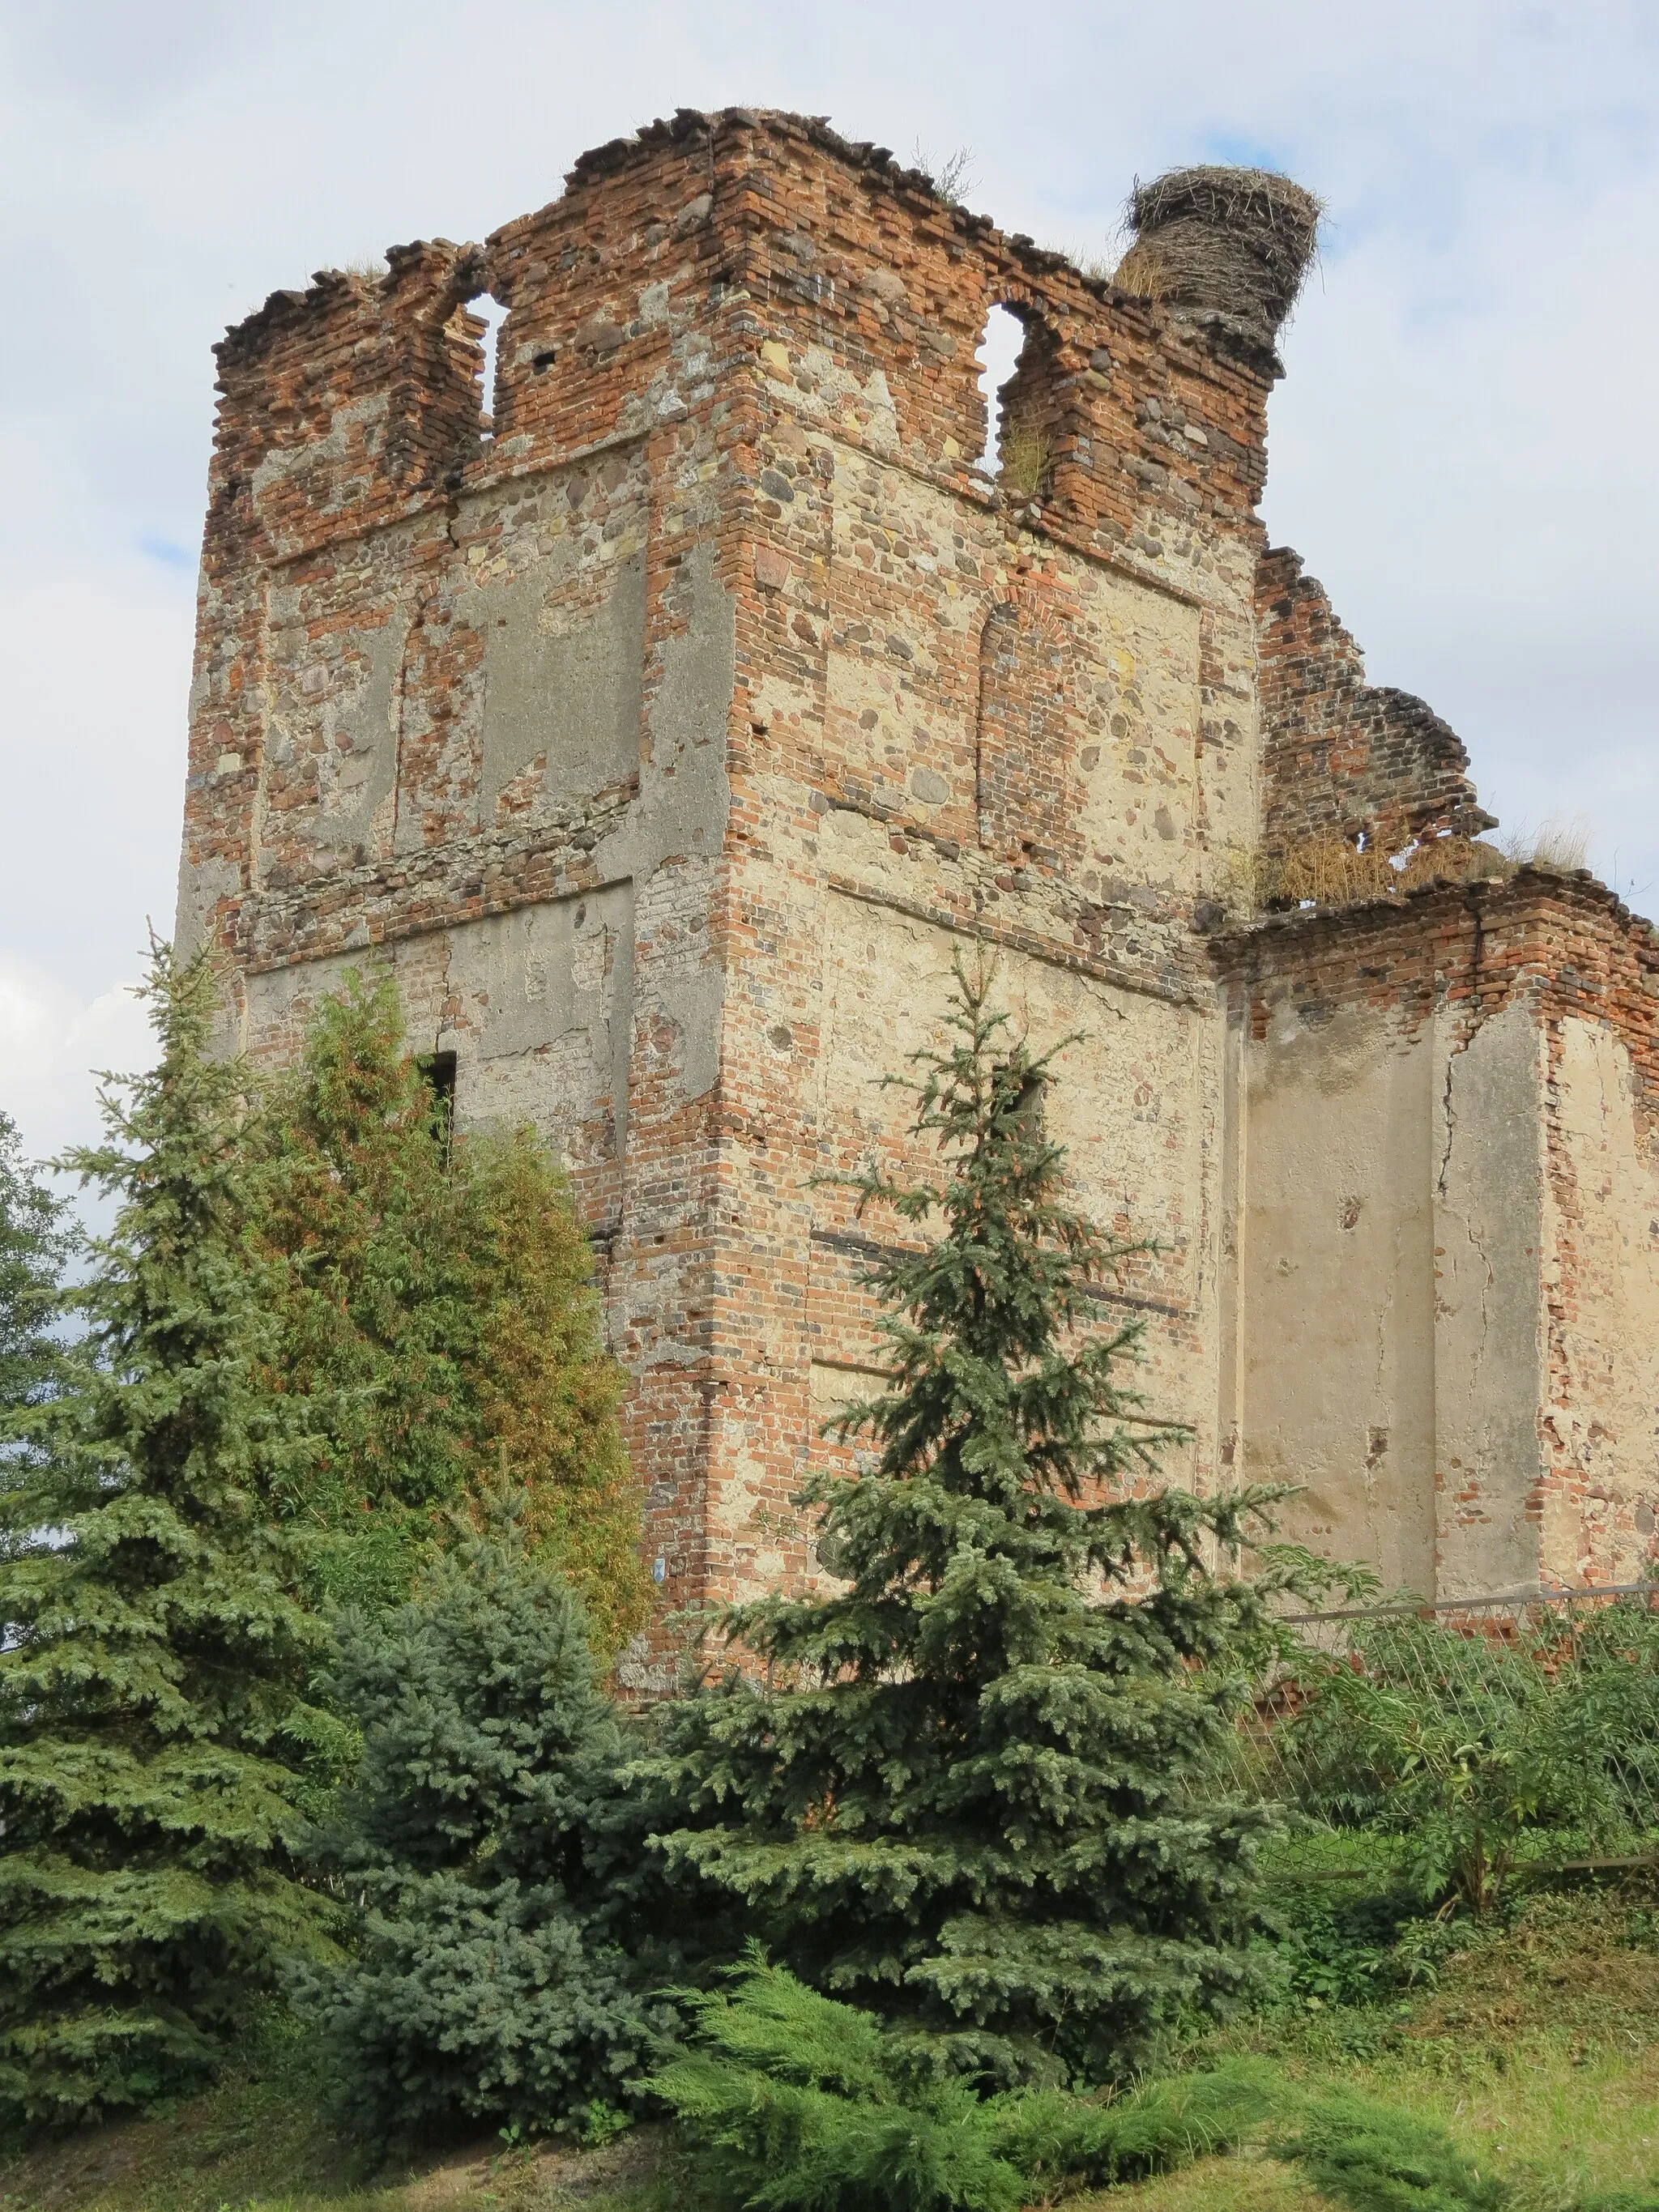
<point x="1340" y="757"/>
<point x="670" y="731"/>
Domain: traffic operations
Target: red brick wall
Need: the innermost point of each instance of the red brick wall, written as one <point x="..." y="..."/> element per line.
<point x="1342" y="756"/>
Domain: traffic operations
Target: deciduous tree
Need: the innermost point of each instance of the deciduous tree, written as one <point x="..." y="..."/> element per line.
<point x="437" y="1285"/>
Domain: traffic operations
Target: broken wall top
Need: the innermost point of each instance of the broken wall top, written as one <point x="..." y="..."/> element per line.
<point x="1342" y="757"/>
<point x="719" y="264"/>
<point x="360" y="399"/>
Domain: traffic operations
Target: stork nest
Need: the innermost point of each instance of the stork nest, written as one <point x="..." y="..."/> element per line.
<point x="1238" y="242"/>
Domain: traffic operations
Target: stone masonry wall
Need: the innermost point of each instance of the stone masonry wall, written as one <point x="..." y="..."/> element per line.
<point x="967" y="714"/>
<point x="670" y="729"/>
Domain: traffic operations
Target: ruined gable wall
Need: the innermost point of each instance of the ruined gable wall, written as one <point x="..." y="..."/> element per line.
<point x="670" y="740"/>
<point x="1341" y="758"/>
<point x="1448" y="1265"/>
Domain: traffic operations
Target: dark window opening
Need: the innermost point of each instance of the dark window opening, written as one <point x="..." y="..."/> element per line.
<point x="438" y="1072"/>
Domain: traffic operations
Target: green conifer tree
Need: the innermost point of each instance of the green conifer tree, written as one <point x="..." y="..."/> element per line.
<point x="969" y="1789"/>
<point x="483" y="1838"/>
<point x="155" y="1646"/>
<point x="436" y="1286"/>
<point x="34" y="1243"/>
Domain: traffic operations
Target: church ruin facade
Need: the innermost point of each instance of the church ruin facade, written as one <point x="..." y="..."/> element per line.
<point x="668" y="729"/>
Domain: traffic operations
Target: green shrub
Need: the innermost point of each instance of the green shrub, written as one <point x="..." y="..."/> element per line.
<point x="793" y="2102"/>
<point x="1056" y="2140"/>
<point x="1468" y="1746"/>
<point x="797" y="2103"/>
<point x="1343" y="1926"/>
<point x="490" y="1981"/>
<point x="1374" y="2159"/>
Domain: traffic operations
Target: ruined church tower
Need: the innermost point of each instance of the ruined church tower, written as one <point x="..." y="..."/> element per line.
<point x="667" y="729"/>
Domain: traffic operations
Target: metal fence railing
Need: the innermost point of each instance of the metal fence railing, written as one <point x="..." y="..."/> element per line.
<point x="1553" y="1682"/>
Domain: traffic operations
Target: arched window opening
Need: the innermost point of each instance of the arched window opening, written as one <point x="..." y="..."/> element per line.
<point x="488" y="314"/>
<point x="999" y="351"/>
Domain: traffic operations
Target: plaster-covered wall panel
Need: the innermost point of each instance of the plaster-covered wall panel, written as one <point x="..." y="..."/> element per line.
<point x="275" y="1008"/>
<point x="1602" y="1286"/>
<point x="336" y="636"/>
<point x="563" y="674"/>
<point x="902" y="675"/>
<point x="1487" y="1196"/>
<point x="524" y="686"/>
<point x="1337" y="1283"/>
<point x="1059" y="715"/>
<point x="535" y="1004"/>
<point x="1128" y="1104"/>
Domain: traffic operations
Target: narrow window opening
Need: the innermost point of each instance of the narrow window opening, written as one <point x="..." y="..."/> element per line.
<point x="999" y="351"/>
<point x="438" y="1072"/>
<point x="491" y="313"/>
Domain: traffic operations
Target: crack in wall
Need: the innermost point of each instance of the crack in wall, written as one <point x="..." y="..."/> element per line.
<point x="1461" y="1045"/>
<point x="1450" y="1117"/>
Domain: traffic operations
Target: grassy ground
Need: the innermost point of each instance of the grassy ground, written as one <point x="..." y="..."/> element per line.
<point x="258" y="2145"/>
<point x="1539" y="2048"/>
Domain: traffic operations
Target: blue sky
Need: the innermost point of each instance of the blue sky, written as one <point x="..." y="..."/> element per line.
<point x="1463" y="449"/>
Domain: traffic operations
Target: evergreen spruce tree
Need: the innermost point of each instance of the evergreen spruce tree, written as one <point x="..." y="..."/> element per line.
<point x="484" y="1837"/>
<point x="156" y="1645"/>
<point x="437" y="1287"/>
<point x="34" y="1243"/>
<point x="969" y="1790"/>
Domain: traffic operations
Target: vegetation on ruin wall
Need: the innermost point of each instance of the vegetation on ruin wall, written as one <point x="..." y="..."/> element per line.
<point x="1331" y="869"/>
<point x="320" y="1326"/>
<point x="945" y="1903"/>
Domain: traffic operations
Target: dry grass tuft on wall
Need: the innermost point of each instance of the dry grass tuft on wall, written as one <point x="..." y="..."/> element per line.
<point x="1142" y="273"/>
<point x="1560" y="845"/>
<point x="1332" y="871"/>
<point x="1025" y="458"/>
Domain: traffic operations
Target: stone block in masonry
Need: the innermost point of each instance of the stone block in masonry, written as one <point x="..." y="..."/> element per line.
<point x="670" y="719"/>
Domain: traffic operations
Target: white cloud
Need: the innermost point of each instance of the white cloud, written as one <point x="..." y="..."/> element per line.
<point x="53" y="1046"/>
